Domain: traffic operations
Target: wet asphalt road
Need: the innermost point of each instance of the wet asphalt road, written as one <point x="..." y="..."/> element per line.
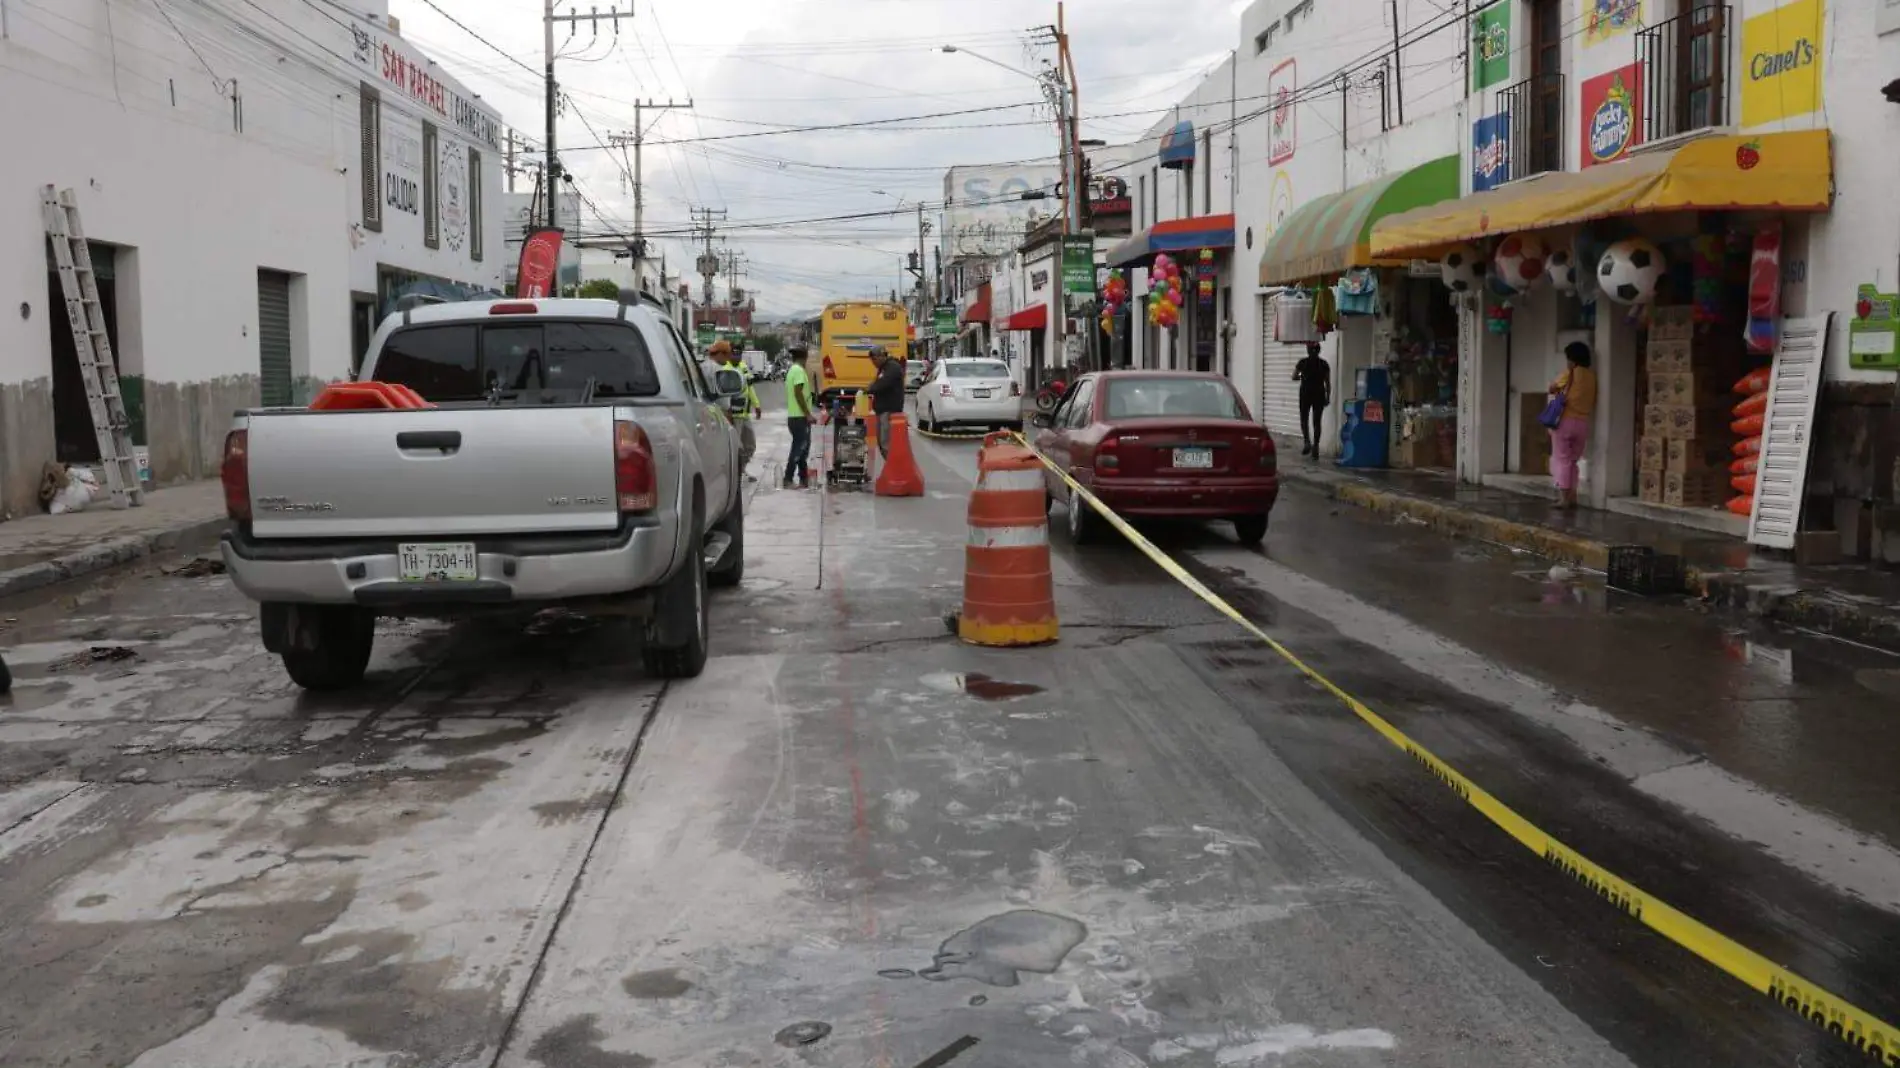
<point x="1152" y="843"/>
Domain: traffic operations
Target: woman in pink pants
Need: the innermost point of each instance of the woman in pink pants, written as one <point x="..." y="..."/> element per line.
<point x="1578" y="384"/>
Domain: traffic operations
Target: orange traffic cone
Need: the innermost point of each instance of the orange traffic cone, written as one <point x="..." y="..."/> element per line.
<point x="900" y="477"/>
<point x="1008" y="592"/>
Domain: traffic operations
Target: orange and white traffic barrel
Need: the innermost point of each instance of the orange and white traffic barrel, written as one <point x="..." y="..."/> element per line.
<point x="1008" y="592"/>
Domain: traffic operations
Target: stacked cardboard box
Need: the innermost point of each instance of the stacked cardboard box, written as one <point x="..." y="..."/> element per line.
<point x="1695" y="489"/>
<point x="1649" y="486"/>
<point x="1704" y="419"/>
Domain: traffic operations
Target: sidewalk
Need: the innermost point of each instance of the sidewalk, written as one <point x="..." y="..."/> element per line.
<point x="39" y="550"/>
<point x="1850" y="601"/>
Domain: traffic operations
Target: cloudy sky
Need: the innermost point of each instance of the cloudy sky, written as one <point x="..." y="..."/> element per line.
<point x="752" y="66"/>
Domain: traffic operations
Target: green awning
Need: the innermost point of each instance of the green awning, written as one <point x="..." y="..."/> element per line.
<point x="1334" y="233"/>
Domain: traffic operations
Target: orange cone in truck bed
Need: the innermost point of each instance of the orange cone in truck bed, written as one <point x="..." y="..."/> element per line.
<point x="357" y="396"/>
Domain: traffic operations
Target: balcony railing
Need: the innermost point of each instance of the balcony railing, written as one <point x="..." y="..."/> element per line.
<point x="1685" y="64"/>
<point x="1536" y="107"/>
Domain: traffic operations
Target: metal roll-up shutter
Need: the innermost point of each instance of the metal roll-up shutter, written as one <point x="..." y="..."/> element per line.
<point x="273" y="338"/>
<point x="1279" y="394"/>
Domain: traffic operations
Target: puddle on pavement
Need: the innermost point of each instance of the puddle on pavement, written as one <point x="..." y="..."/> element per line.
<point x="802" y="1034"/>
<point x="978" y="685"/>
<point x="994" y="950"/>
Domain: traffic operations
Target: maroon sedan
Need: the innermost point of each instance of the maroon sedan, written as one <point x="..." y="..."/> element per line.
<point x="1172" y="444"/>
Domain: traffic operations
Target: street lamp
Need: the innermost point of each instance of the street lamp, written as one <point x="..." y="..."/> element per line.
<point x="950" y="48"/>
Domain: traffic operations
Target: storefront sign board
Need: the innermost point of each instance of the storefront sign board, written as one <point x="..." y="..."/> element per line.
<point x="1283" y="137"/>
<point x="1610" y="18"/>
<point x="1491" y="46"/>
<point x="1781" y="63"/>
<point x="1491" y="152"/>
<point x="1612" y="114"/>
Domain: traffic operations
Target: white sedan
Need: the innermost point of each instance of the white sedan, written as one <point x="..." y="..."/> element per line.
<point x="969" y="393"/>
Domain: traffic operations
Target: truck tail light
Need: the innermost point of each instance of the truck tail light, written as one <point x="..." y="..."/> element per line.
<point x="1015" y="388"/>
<point x="943" y="389"/>
<point x="235" y="473"/>
<point x="635" y="479"/>
<point x="1108" y="460"/>
<point x="513" y="307"/>
<point x="830" y="371"/>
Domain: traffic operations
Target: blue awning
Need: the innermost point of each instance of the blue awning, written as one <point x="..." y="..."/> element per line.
<point x="1174" y="235"/>
<point x="1177" y="146"/>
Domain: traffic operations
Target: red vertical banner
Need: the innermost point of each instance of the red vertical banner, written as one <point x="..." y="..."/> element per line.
<point x="540" y="263"/>
<point x="1612" y="114"/>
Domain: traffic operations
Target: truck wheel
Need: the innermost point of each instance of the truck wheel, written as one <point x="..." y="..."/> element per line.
<point x="732" y="569"/>
<point x="676" y="636"/>
<point x="330" y="647"/>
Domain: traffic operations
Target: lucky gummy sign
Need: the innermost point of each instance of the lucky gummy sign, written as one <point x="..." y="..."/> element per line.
<point x="1612" y="114"/>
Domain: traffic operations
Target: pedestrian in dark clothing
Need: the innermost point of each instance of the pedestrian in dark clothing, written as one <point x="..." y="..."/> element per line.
<point x="887" y="395"/>
<point x="1316" y="393"/>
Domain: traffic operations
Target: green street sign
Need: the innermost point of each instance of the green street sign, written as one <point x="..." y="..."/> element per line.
<point x="1078" y="266"/>
<point x="945" y="320"/>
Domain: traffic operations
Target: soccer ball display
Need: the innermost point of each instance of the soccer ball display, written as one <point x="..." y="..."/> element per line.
<point x="1629" y="271"/>
<point x="1520" y="261"/>
<point x="1462" y="269"/>
<point x="1561" y="266"/>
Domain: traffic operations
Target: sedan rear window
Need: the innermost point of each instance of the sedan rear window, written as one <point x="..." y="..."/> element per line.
<point x="1158" y="398"/>
<point x="976" y="369"/>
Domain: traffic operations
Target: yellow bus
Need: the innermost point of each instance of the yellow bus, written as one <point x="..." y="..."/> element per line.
<point x="846" y="332"/>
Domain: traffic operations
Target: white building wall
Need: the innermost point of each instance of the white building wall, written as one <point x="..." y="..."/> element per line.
<point x="204" y="147"/>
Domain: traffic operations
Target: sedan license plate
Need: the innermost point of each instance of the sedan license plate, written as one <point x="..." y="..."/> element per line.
<point x="1203" y="458"/>
<point x="440" y="562"/>
<point x="981" y="394"/>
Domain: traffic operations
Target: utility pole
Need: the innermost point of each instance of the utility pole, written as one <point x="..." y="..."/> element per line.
<point x="636" y="139"/>
<point x="553" y="87"/>
<point x="708" y="261"/>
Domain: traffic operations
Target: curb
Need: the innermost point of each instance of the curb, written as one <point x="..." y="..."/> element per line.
<point x="1737" y="591"/>
<point x="106" y="554"/>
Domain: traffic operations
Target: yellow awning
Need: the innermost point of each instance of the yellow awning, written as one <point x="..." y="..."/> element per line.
<point x="1777" y="171"/>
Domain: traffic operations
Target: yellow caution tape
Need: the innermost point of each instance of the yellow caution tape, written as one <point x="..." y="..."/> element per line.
<point x="1877" y="1039"/>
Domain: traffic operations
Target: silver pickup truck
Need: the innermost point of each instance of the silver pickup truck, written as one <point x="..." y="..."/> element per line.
<point x="577" y="456"/>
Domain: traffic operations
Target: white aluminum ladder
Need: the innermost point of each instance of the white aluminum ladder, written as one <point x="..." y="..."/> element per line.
<point x="97" y="369"/>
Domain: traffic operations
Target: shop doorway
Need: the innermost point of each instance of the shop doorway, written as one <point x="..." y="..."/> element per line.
<point x="274" y="375"/>
<point x="362" y="328"/>
<point x="74" y="440"/>
<point x="1203" y="333"/>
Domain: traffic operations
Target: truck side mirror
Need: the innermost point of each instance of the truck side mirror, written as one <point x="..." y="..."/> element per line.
<point x="729" y="383"/>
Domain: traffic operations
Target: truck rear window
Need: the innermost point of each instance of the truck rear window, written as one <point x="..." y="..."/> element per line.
<point x="551" y="360"/>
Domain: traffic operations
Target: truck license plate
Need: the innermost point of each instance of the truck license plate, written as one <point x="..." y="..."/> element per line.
<point x="1193" y="458"/>
<point x="443" y="562"/>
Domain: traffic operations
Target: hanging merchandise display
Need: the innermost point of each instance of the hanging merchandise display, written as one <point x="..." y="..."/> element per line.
<point x="1462" y="269"/>
<point x="1629" y="271"/>
<point x="1706" y="254"/>
<point x="1164" y="292"/>
<point x="1519" y="262"/>
<point x="1561" y="266"/>
<point x="1358" y="292"/>
<point x="1293" y="317"/>
<point x="1763" y="332"/>
<point x="1497" y="316"/>
<point x="1325" y="310"/>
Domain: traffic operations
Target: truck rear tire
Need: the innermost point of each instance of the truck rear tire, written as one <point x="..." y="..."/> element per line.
<point x="731" y="570"/>
<point x="677" y="635"/>
<point x="331" y="647"/>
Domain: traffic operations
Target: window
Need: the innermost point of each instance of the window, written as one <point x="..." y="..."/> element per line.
<point x="1147" y="398"/>
<point x="370" y="117"/>
<point x="431" y="167"/>
<point x="1207" y="171"/>
<point x="435" y="361"/>
<point x="975" y="369"/>
<point x="1141" y="213"/>
<point x="1301" y="10"/>
<point x="1264" y="40"/>
<point x="692" y="375"/>
<point x="475" y="205"/>
<point x="1078" y="412"/>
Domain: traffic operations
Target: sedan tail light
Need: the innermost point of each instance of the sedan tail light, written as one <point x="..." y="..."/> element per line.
<point x="635" y="479"/>
<point x="943" y="389"/>
<point x="235" y="473"/>
<point x="1107" y="460"/>
<point x="1015" y="388"/>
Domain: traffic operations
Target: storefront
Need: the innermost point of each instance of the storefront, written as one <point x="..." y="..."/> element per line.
<point x="1203" y="246"/>
<point x="1321" y="283"/>
<point x="974" y="324"/>
<point x="1667" y="263"/>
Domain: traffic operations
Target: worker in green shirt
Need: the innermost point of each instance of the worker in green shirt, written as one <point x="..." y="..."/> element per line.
<point x="798" y="417"/>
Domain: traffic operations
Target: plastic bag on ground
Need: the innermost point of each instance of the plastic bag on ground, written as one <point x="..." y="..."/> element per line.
<point x="74" y="498"/>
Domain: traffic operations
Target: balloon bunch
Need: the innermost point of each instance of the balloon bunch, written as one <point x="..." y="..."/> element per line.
<point x="1114" y="295"/>
<point x="1164" y="292"/>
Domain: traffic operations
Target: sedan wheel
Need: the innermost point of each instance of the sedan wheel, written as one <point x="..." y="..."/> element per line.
<point x="1082" y="521"/>
<point x="1250" y="529"/>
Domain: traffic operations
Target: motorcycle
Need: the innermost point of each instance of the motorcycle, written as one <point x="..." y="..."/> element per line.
<point x="1050" y="395"/>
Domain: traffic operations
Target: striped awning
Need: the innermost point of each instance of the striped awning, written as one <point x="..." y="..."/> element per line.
<point x="1174" y="235"/>
<point x="1334" y="233"/>
<point x="1177" y="146"/>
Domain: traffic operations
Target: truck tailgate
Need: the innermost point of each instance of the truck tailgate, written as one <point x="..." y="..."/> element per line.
<point x="434" y="471"/>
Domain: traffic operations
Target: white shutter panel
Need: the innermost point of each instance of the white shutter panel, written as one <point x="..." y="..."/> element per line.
<point x="1279" y="394"/>
<point x="1794" y="387"/>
